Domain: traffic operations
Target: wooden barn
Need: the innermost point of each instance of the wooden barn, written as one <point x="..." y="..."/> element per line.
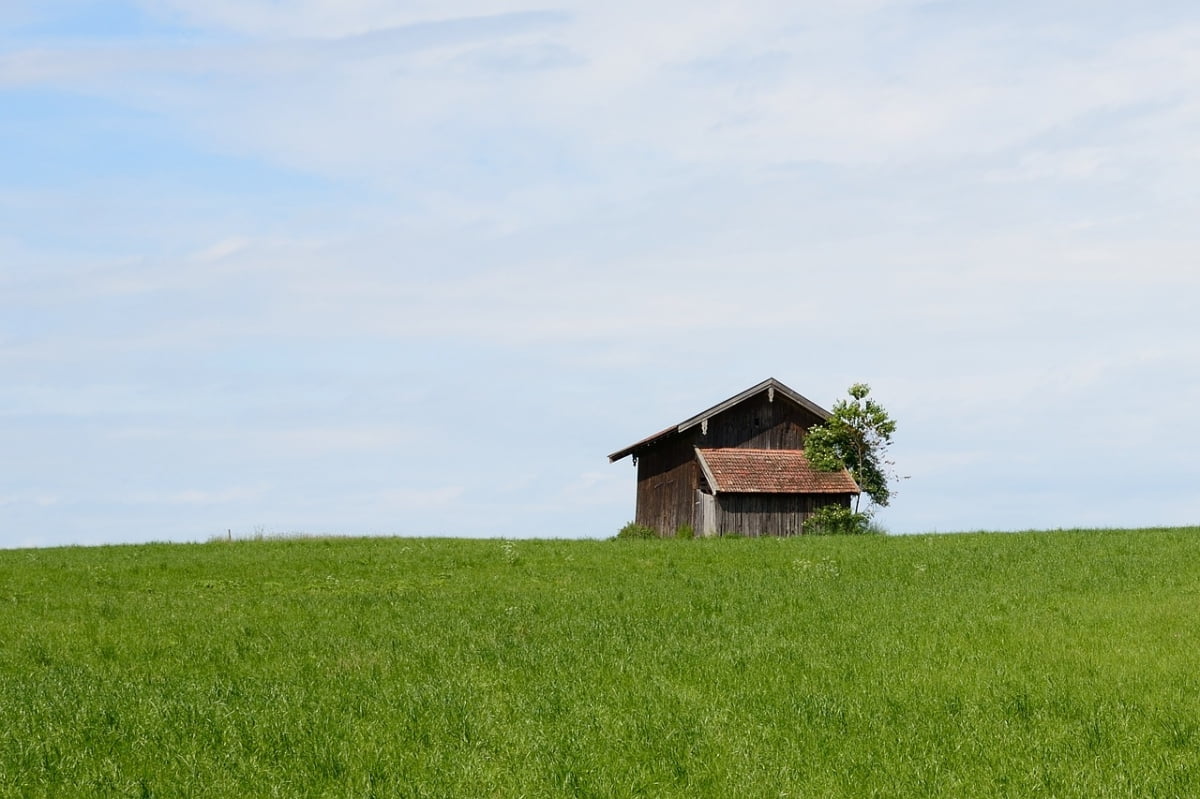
<point x="737" y="467"/>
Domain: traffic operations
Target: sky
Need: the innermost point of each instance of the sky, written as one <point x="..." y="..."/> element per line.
<point x="410" y="268"/>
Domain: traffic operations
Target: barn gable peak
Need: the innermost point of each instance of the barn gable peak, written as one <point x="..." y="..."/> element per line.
<point x="771" y="387"/>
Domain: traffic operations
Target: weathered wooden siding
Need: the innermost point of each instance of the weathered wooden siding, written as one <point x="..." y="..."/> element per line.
<point x="706" y="513"/>
<point x="668" y="475"/>
<point x="759" y="424"/>
<point x="770" y="514"/>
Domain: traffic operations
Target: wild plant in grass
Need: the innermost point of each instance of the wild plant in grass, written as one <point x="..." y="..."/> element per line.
<point x="633" y="530"/>
<point x="838" y="520"/>
<point x="509" y="550"/>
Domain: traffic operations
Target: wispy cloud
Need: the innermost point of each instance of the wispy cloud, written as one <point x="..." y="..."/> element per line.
<point x="408" y="499"/>
<point x="352" y="255"/>
<point x="194" y="496"/>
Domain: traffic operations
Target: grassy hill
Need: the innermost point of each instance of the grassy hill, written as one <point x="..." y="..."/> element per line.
<point x="1056" y="664"/>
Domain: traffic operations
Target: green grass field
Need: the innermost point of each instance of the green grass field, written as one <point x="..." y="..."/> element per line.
<point x="1041" y="664"/>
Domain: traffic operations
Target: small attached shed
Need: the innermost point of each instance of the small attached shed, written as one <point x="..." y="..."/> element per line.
<point x="738" y="467"/>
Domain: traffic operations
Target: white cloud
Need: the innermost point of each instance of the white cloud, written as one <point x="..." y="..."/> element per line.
<point x="75" y="400"/>
<point x="222" y="249"/>
<point x="40" y="500"/>
<point x="1077" y="164"/>
<point x="989" y="215"/>
<point x="605" y="487"/>
<point x="300" y="442"/>
<point x="408" y="499"/>
<point x="196" y="496"/>
<point x="318" y="18"/>
<point x="371" y="110"/>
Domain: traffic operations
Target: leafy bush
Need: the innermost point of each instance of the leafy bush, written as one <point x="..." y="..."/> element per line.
<point x="634" y="530"/>
<point x="839" y="520"/>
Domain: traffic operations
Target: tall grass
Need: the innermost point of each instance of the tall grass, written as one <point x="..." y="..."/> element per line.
<point x="1055" y="664"/>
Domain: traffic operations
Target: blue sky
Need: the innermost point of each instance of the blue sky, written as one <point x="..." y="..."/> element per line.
<point x="365" y="267"/>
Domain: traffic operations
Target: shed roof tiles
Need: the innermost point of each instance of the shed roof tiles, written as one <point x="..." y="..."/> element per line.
<point x="769" y="471"/>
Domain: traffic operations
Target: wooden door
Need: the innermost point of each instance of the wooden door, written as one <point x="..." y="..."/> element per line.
<point x="706" y="514"/>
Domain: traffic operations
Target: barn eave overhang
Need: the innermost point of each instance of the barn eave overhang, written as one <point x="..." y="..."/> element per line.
<point x="771" y="386"/>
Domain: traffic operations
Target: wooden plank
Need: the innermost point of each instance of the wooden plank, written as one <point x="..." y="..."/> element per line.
<point x="669" y="473"/>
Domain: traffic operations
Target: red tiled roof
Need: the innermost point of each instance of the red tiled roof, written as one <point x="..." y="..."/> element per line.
<point x="770" y="471"/>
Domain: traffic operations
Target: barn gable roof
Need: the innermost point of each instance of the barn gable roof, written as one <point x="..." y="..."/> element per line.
<point x="769" y="471"/>
<point x="770" y="386"/>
